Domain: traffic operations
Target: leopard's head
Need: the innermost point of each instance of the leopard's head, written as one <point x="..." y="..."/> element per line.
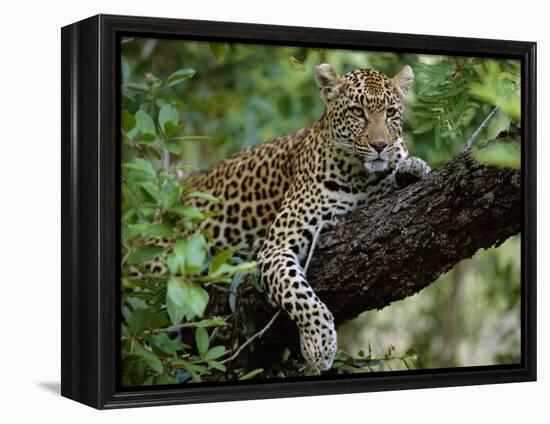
<point x="364" y="113"/>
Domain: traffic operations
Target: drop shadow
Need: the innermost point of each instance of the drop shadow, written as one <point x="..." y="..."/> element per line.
<point x="51" y="386"/>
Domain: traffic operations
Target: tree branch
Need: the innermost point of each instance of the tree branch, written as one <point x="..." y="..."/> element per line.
<point x="394" y="248"/>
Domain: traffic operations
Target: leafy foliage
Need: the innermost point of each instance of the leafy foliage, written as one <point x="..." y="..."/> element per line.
<point x="456" y="94"/>
<point x="389" y="360"/>
<point x="504" y="153"/>
<point x="156" y="307"/>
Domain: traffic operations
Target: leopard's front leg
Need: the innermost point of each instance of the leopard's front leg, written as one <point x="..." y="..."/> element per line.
<point x="284" y="280"/>
<point x="409" y="171"/>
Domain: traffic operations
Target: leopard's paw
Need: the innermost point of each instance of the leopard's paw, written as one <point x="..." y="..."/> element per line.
<point x="318" y="342"/>
<point x="410" y="170"/>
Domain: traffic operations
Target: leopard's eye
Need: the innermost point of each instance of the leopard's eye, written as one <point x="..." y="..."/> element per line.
<point x="390" y="112"/>
<point x="357" y="111"/>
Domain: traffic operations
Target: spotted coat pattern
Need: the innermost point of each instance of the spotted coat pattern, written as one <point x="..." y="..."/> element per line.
<point x="276" y="195"/>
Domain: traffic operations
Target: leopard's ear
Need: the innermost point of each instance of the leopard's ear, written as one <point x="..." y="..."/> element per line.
<point x="403" y="80"/>
<point x="328" y="81"/>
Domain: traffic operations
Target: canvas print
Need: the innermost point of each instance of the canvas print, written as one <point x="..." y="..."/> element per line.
<point x="294" y="213"/>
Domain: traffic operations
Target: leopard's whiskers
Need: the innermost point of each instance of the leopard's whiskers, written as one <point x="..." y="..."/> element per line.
<point x="347" y="146"/>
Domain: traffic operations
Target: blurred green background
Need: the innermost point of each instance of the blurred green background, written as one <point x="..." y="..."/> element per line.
<point x="229" y="96"/>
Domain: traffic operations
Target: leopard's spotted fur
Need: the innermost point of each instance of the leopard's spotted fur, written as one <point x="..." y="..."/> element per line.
<point x="276" y="195"/>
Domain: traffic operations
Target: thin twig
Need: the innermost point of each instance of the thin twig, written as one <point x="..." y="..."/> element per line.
<point x="481" y="127"/>
<point x="169" y="329"/>
<point x="313" y="244"/>
<point x="125" y="258"/>
<point x="254" y="337"/>
<point x="486" y="121"/>
<point x="140" y="150"/>
<point x="274" y="317"/>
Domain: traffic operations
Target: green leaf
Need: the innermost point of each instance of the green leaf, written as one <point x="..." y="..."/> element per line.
<point x="126" y="71"/>
<point x="160" y="319"/>
<point x="195" y="253"/>
<point x="128" y="121"/>
<point x="219" y="50"/>
<point x="147" y="212"/>
<point x="152" y="190"/>
<point x="222" y="258"/>
<point x="201" y="338"/>
<point x="173" y="148"/>
<point x="134" y="370"/>
<point x="146" y="125"/>
<point x="144" y="253"/>
<point x="179" y="255"/>
<point x="189" y="212"/>
<point x="197" y="299"/>
<point x="251" y="374"/>
<point x="411" y="352"/>
<point x="165" y="344"/>
<point x="168" y="114"/>
<point x="190" y="138"/>
<point x="138" y="87"/>
<point x="185" y="299"/>
<point x="505" y="154"/>
<point x="175" y="301"/>
<point x="217" y="365"/>
<point x="215" y="353"/>
<point x="179" y="76"/>
<point x="211" y="322"/>
<point x="492" y="91"/>
<point x="140" y="165"/>
<point x="157" y="230"/>
<point x="153" y="151"/>
<point x="424" y="128"/>
<point x="244" y="267"/>
<point x="175" y="264"/>
<point x="296" y="63"/>
<point x="286" y="354"/>
<point x="170" y="128"/>
<point x="165" y="379"/>
<point x="171" y="193"/>
<point x="136" y="303"/>
<point x="227" y="269"/>
<point x="206" y="196"/>
<point x="223" y="269"/>
<point x="193" y="369"/>
<point x="150" y="359"/>
<point x="437" y="136"/>
<point x="139" y="320"/>
<point x="132" y="231"/>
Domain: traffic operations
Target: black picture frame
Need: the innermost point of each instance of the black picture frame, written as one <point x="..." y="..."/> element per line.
<point x="90" y="198"/>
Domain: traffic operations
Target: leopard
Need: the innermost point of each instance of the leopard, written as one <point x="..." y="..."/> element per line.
<point x="276" y="196"/>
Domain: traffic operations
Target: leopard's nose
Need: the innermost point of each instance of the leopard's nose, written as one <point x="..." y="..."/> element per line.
<point x="378" y="145"/>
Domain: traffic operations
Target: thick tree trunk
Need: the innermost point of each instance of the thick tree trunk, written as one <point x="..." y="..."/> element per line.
<point x="395" y="247"/>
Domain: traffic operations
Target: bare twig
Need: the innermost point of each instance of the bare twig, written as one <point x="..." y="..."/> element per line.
<point x="468" y="144"/>
<point x="472" y="138"/>
<point x="313" y="244"/>
<point x="165" y="159"/>
<point x="125" y="258"/>
<point x="254" y="337"/>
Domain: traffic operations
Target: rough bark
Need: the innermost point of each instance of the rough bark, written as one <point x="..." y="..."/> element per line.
<point x="394" y="248"/>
